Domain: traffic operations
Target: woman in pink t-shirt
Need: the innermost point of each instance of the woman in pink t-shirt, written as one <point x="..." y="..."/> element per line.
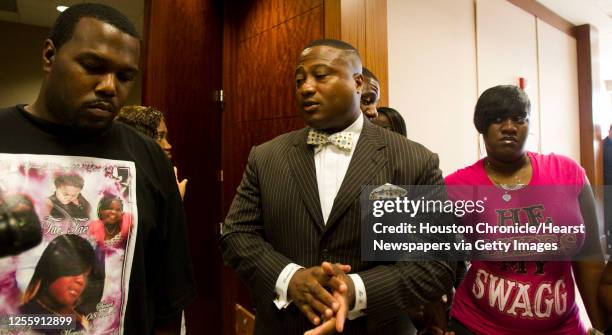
<point x="526" y="297"/>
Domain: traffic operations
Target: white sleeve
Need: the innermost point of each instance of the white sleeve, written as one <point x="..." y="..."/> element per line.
<point x="282" y="285"/>
<point x="361" y="299"/>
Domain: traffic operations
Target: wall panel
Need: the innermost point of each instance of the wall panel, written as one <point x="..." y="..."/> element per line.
<point x="558" y="73"/>
<point x="363" y="24"/>
<point x="507" y="49"/>
<point x="262" y="43"/>
<point x="432" y="75"/>
<point x="180" y="75"/>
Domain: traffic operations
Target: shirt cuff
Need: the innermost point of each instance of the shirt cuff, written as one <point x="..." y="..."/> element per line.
<point x="361" y="299"/>
<point x="282" y="285"/>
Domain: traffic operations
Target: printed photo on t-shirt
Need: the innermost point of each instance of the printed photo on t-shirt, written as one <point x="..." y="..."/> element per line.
<point x="87" y="211"/>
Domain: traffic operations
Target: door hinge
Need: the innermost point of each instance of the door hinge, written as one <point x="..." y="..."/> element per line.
<point x="218" y="97"/>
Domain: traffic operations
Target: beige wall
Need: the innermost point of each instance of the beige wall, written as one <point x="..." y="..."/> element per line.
<point x="21" y="66"/>
<point x="559" y="116"/>
<point x="444" y="53"/>
<point x="508" y="49"/>
<point x="432" y="75"/>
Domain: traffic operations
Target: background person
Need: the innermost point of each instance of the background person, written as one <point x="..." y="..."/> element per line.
<point x="391" y="119"/>
<point x="151" y="122"/>
<point x="607" y="157"/>
<point x="605" y="295"/>
<point x="370" y="96"/>
<point x="502" y="117"/>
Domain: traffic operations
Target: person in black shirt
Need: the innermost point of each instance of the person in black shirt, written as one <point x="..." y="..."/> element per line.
<point x="90" y="61"/>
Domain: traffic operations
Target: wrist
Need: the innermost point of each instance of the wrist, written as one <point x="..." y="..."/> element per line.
<point x="291" y="284"/>
<point x="351" y="292"/>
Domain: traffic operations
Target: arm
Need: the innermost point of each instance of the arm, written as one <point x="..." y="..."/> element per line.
<point x="268" y="273"/>
<point x="243" y="244"/>
<point x="392" y="289"/>
<point x="589" y="268"/>
<point x="171" y="275"/>
<point x="605" y="293"/>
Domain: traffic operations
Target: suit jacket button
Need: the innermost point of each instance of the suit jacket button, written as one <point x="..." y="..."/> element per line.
<point x="325" y="254"/>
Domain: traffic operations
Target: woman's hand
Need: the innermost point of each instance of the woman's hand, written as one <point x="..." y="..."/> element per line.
<point x="182" y="185"/>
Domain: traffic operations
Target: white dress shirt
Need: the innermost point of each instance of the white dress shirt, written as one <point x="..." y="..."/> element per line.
<point x="331" y="164"/>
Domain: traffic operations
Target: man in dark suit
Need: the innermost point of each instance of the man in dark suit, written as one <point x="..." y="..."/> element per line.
<point x="297" y="210"/>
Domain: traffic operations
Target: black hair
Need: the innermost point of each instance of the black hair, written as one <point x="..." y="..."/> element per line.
<point x="348" y="49"/>
<point x="64" y="25"/>
<point x="500" y="102"/>
<point x="142" y="118"/>
<point x="329" y="42"/>
<point x="71" y="179"/>
<point x="395" y="119"/>
<point x="368" y="74"/>
<point x="69" y="255"/>
<point x="106" y="202"/>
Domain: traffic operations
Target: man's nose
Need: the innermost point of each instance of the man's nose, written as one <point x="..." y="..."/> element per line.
<point x="107" y="85"/>
<point x="308" y="88"/>
<point x="370" y="112"/>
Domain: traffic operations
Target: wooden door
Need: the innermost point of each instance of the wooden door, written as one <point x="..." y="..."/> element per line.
<point x="262" y="41"/>
<point x="182" y="70"/>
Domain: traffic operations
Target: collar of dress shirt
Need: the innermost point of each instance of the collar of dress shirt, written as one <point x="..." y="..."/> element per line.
<point x="355" y="128"/>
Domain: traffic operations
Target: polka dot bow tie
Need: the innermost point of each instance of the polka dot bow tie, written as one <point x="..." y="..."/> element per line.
<point x="342" y="140"/>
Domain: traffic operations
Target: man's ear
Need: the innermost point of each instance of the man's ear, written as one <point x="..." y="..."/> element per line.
<point x="359" y="82"/>
<point x="48" y="55"/>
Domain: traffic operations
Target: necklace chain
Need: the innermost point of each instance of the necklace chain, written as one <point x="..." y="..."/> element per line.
<point x="113" y="231"/>
<point x="516" y="184"/>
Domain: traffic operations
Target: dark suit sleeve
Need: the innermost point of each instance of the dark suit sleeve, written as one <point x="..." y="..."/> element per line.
<point x="392" y="289"/>
<point x="242" y="242"/>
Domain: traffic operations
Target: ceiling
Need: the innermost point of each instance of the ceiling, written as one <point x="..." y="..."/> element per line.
<point x="43" y="12"/>
<point x="596" y="12"/>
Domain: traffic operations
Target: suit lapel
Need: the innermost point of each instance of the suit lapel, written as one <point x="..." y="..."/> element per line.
<point x="366" y="161"/>
<point x="302" y="166"/>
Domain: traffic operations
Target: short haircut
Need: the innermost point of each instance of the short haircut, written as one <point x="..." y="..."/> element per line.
<point x="348" y="49"/>
<point x="500" y="102"/>
<point x="69" y="179"/>
<point x="368" y="74"/>
<point x="329" y="42"/>
<point x="143" y="119"/>
<point x="106" y="202"/>
<point x="395" y="119"/>
<point x="63" y="28"/>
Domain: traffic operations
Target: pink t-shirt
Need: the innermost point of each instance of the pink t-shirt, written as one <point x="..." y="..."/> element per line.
<point x="532" y="297"/>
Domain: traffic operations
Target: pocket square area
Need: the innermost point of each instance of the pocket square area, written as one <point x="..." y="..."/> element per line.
<point x="387" y="191"/>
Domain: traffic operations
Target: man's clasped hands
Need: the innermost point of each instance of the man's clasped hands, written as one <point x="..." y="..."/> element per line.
<point x="325" y="294"/>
